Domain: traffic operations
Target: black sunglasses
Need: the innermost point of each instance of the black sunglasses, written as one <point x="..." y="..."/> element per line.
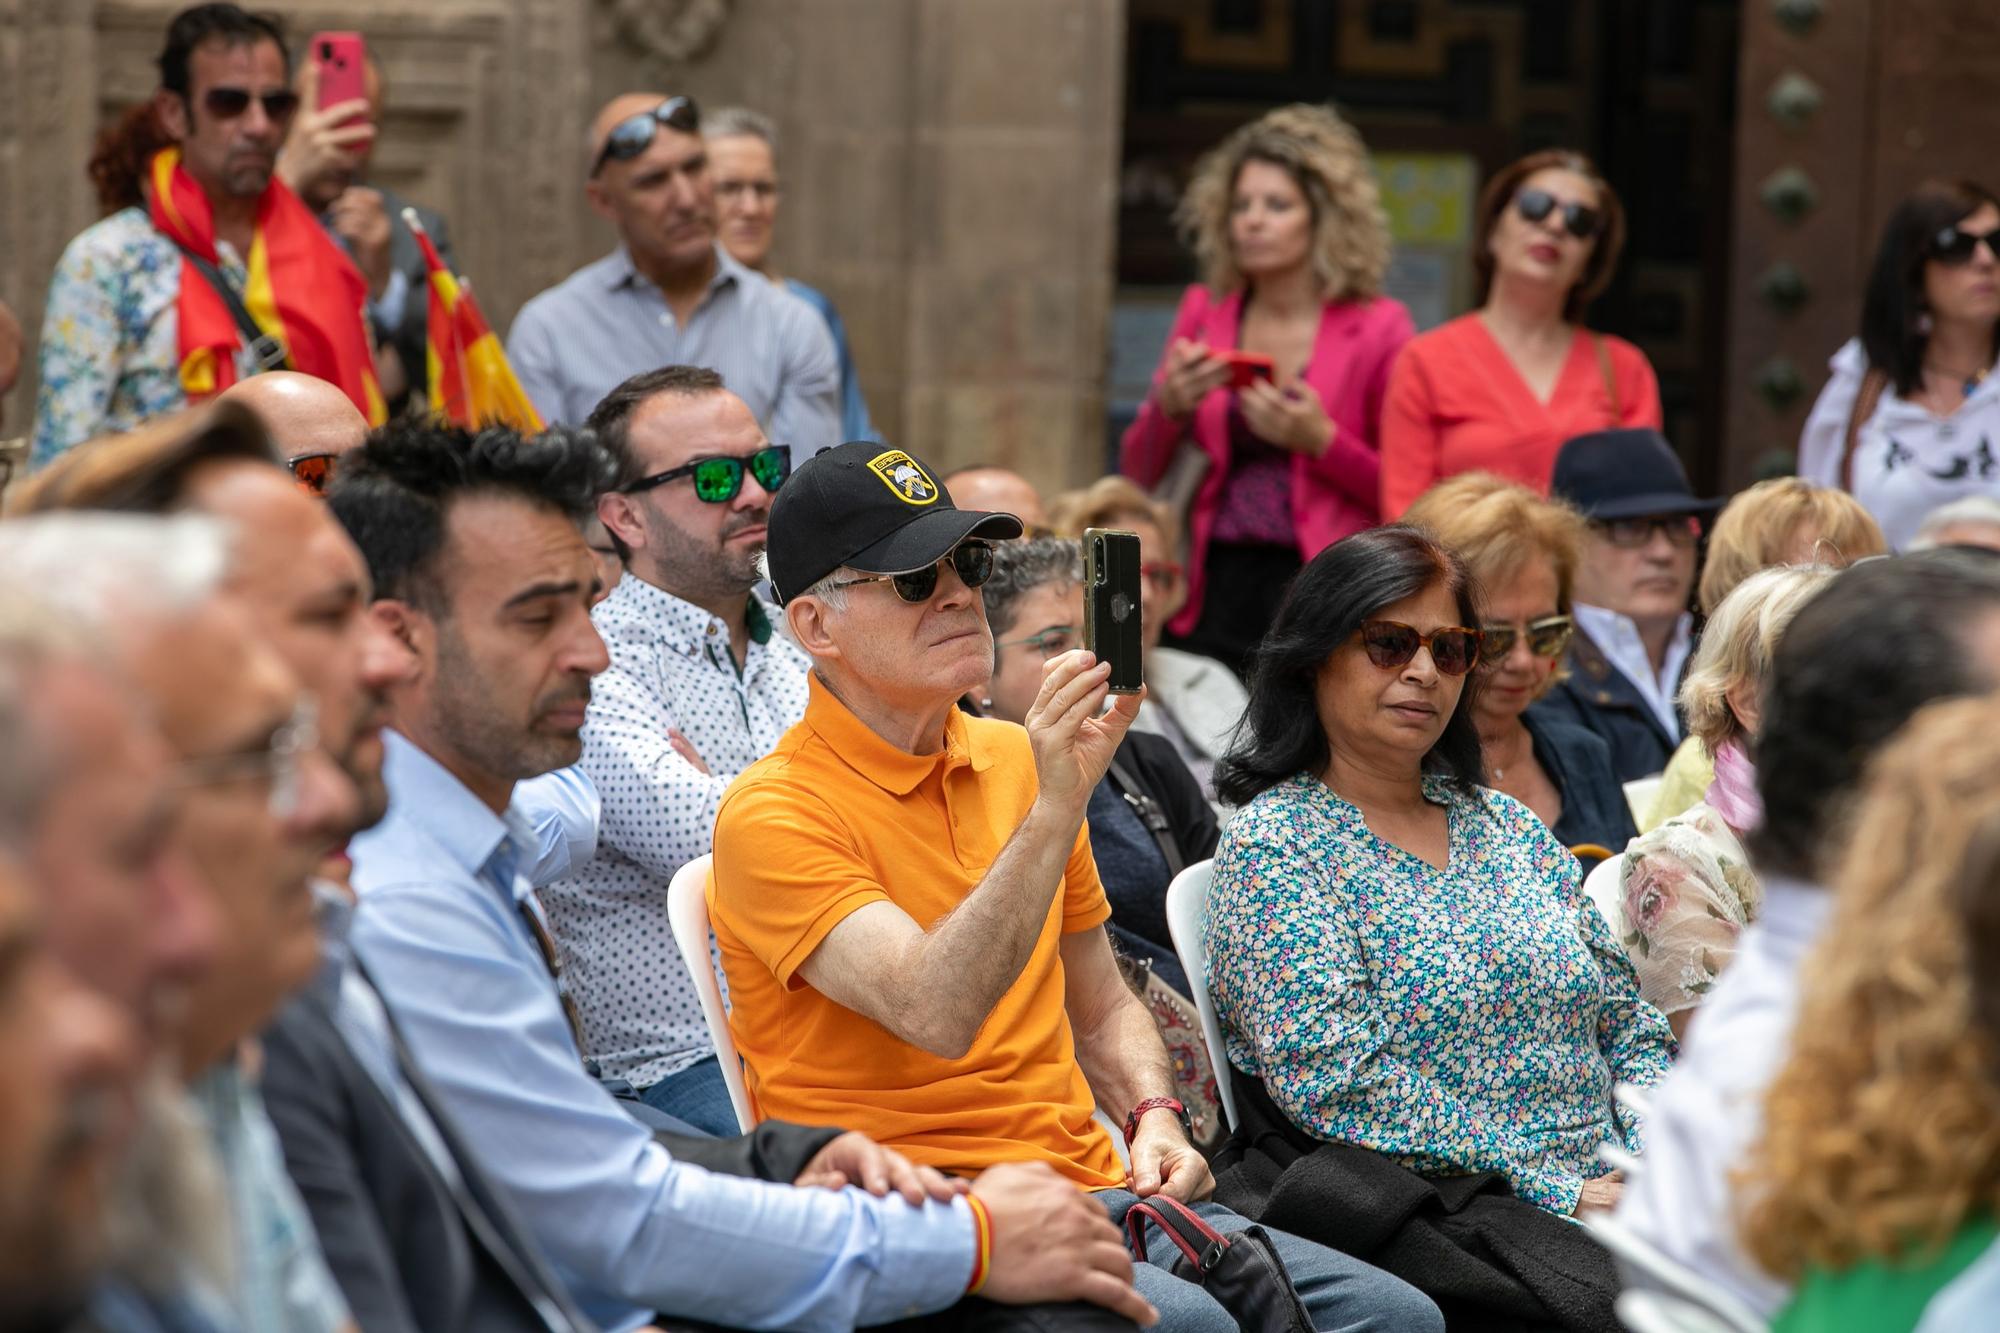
<point x="1391" y="644"/>
<point x="719" y="480"/>
<point x="971" y="559"/>
<point x="1547" y="637"/>
<point x="1633" y="533"/>
<point x="229" y="103"/>
<point x="634" y="134"/>
<point x="1954" y="246"/>
<point x="1580" y="220"/>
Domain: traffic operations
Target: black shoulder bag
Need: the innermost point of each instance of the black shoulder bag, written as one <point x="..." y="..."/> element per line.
<point x="267" y="352"/>
<point x="1241" y="1271"/>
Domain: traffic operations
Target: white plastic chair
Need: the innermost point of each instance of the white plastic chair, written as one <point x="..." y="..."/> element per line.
<point x="1664" y="1295"/>
<point x="687" y="914"/>
<point x="1187" y="897"/>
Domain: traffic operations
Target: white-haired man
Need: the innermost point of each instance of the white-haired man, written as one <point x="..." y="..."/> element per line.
<point x="908" y="912"/>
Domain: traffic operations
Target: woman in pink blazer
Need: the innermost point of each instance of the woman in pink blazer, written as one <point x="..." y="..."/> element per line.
<point x="1286" y="222"/>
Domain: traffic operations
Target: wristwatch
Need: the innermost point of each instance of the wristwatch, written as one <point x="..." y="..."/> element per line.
<point x="1154" y="1104"/>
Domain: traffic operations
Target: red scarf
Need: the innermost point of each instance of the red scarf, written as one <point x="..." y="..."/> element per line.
<point x="302" y="290"/>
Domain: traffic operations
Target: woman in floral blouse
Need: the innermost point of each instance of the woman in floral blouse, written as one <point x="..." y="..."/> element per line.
<point x="1406" y="959"/>
<point x="1681" y="894"/>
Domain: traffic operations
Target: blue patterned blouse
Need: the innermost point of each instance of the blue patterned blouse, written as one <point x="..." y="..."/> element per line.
<point x="1469" y="1019"/>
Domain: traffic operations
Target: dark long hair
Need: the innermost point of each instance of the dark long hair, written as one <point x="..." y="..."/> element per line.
<point x="1891" y="311"/>
<point x="1347" y="583"/>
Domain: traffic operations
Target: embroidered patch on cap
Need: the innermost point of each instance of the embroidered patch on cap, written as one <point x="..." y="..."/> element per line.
<point x="905" y="480"/>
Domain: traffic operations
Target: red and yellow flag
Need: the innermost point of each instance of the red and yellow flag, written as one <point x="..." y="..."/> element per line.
<point x="470" y="381"/>
<point x="302" y="291"/>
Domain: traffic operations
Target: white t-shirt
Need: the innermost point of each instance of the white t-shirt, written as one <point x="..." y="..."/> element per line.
<point x="1907" y="461"/>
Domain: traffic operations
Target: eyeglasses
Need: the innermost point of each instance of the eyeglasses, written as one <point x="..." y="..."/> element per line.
<point x="719" y="480"/>
<point x="1580" y="220"/>
<point x="1390" y="644"/>
<point x="229" y="103"/>
<point x="277" y="763"/>
<point x="1547" y="637"/>
<point x="634" y="134"/>
<point x="762" y="191"/>
<point x="1955" y="246"/>
<point x="1633" y="533"/>
<point x="1162" y="574"/>
<point x="973" y="561"/>
<point x="1051" y="642"/>
<point x="314" y="472"/>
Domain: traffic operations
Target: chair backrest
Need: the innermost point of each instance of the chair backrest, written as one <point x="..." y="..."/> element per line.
<point x="1678" y="1293"/>
<point x="1187" y="897"/>
<point x="687" y="914"/>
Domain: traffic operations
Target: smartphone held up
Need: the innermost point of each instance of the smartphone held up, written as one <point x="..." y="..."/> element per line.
<point x="1111" y="629"/>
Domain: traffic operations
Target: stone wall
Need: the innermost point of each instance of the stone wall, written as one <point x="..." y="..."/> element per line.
<point x="949" y="169"/>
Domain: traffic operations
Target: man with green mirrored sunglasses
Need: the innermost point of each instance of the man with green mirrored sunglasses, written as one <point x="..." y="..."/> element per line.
<point x="699" y="686"/>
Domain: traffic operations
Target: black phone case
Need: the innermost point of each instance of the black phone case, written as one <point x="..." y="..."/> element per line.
<point x="1111" y="605"/>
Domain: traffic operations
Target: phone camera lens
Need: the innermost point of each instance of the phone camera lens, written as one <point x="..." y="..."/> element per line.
<point x="326" y="50"/>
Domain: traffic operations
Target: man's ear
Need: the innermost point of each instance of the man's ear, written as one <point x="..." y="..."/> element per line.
<point x="811" y="627"/>
<point x="620" y="516"/>
<point x="171" y="110"/>
<point x="412" y="628"/>
<point x="600" y="200"/>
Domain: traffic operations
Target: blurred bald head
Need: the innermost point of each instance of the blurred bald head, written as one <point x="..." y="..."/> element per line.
<point x="304" y="414"/>
<point x="997" y="489"/>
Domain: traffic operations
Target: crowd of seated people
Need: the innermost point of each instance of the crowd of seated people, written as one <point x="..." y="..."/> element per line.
<point x="365" y="781"/>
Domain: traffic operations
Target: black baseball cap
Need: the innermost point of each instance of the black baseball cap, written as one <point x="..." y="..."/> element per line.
<point x="866" y="506"/>
<point x="1631" y="473"/>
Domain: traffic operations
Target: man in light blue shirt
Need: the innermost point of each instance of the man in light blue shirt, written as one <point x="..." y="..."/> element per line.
<point x="670" y="295"/>
<point x="480" y="566"/>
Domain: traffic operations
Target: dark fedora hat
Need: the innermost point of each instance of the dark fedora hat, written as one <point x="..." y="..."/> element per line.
<point x="1632" y="473"/>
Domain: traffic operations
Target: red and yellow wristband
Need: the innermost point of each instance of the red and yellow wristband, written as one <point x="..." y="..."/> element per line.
<point x="982" y="1230"/>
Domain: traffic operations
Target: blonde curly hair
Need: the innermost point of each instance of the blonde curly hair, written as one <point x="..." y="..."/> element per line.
<point x="1737" y="644"/>
<point x="1323" y="154"/>
<point x="1882" y="1132"/>
<point x="1762" y="525"/>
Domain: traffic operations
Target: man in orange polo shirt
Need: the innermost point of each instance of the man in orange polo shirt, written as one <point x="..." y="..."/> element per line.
<point x="909" y="916"/>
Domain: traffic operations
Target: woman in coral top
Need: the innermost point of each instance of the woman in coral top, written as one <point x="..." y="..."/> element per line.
<point x="1286" y="222"/>
<point x="1500" y="389"/>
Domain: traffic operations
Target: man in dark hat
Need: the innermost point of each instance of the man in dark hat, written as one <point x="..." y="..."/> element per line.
<point x="1634" y="631"/>
<point x="905" y="901"/>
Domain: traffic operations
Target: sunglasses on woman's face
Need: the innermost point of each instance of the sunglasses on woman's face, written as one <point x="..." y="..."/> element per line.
<point x="971" y="559"/>
<point x="719" y="480"/>
<point x="1390" y="644"/>
<point x="1580" y="220"/>
<point x="229" y="103"/>
<point x="314" y="472"/>
<point x="634" y="134"/>
<point x="1954" y="246"/>
<point x="1547" y="637"/>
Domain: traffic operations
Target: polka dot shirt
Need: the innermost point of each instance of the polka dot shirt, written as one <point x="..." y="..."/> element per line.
<point x="670" y="667"/>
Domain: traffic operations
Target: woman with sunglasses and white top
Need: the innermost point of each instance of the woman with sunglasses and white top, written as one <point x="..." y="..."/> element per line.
<point x="1522" y="552"/>
<point x="1498" y="390"/>
<point x="1403" y="957"/>
<point x="1907" y="423"/>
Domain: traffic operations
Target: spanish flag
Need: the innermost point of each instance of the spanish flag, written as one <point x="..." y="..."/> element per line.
<point x="470" y="382"/>
<point x="303" y="291"/>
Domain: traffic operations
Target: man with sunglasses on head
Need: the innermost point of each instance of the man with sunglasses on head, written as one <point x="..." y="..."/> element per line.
<point x="670" y="294"/>
<point x="909" y="917"/>
<point x="700" y="686"/>
<point x="158" y="304"/>
<point x="1634" y="632"/>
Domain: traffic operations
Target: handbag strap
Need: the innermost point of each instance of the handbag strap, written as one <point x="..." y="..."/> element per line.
<point x="1150" y="814"/>
<point x="267" y="352"/>
<point x="1873" y="385"/>
<point x="1203" y="1245"/>
<point x="1610" y="376"/>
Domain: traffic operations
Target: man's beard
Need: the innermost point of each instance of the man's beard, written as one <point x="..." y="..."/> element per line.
<point x="169" y="1221"/>
<point x="469" y="724"/>
<point x="694" y="571"/>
